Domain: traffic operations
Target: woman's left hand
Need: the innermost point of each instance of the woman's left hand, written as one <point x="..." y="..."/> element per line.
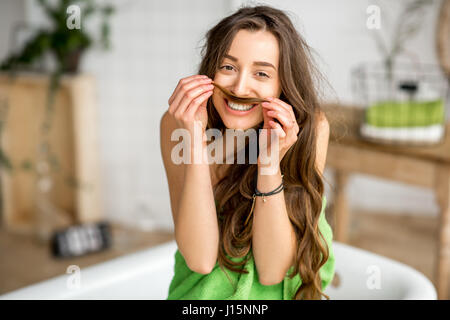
<point x="288" y="130"/>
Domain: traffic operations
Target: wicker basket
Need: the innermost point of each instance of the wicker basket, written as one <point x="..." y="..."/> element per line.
<point x="406" y="106"/>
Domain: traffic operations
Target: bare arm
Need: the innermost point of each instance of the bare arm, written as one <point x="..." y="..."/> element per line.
<point x="274" y="240"/>
<point x="193" y="206"/>
<point x="273" y="234"/>
<point x="197" y="228"/>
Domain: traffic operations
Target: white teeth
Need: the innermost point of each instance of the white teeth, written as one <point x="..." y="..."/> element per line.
<point x="239" y="107"/>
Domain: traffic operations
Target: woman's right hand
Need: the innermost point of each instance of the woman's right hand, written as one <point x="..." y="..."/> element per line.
<point x="187" y="103"/>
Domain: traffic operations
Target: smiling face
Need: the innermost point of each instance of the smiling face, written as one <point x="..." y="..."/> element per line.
<point x="249" y="69"/>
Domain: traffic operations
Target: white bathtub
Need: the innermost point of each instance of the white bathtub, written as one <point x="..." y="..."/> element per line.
<point x="147" y="274"/>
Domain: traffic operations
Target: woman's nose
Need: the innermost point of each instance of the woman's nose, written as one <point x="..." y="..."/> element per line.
<point x="240" y="88"/>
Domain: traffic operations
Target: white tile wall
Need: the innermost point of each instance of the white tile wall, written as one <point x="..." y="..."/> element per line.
<point x="11" y="12"/>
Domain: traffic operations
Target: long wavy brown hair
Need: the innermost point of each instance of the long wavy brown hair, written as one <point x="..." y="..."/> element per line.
<point x="303" y="183"/>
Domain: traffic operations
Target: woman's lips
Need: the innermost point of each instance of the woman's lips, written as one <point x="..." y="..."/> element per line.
<point x="236" y="112"/>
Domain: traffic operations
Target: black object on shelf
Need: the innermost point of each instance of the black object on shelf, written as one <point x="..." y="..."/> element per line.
<point x="82" y="239"/>
<point x="410" y="87"/>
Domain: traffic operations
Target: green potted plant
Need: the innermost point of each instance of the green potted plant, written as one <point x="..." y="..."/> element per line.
<point x="66" y="45"/>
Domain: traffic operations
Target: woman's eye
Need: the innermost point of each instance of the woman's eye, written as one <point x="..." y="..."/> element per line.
<point x="227" y="66"/>
<point x="263" y="74"/>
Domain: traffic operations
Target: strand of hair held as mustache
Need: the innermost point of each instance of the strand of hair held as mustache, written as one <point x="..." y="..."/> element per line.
<point x="233" y="98"/>
<point x="236" y="99"/>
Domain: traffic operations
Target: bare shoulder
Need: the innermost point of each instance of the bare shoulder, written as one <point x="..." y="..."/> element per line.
<point x="323" y="134"/>
<point x="174" y="172"/>
<point x="166" y="126"/>
<point x="166" y="122"/>
<point x="322" y="122"/>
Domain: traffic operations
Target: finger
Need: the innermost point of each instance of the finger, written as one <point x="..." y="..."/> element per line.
<point x="196" y="103"/>
<point x="269" y="106"/>
<point x="266" y="118"/>
<point x="183" y="81"/>
<point x="277" y="107"/>
<point x="283" y="104"/>
<point x="187" y="83"/>
<point x="190" y="95"/>
<point x="282" y="110"/>
<point x="186" y="86"/>
<point x="284" y="119"/>
<point x="289" y="125"/>
<point x="273" y="106"/>
<point x="278" y="129"/>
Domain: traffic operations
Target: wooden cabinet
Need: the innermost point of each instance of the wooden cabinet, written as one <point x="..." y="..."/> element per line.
<point x="75" y="193"/>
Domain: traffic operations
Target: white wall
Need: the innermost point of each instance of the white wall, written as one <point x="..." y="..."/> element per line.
<point x="12" y="12"/>
<point x="155" y="43"/>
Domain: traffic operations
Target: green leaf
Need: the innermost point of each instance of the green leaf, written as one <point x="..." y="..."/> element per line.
<point x="59" y="40"/>
<point x="4" y="160"/>
<point x="26" y="165"/>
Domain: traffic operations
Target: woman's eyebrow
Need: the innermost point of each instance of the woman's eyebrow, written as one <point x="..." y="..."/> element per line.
<point x="256" y="63"/>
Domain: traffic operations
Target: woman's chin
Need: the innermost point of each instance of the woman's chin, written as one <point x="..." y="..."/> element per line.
<point x="238" y="125"/>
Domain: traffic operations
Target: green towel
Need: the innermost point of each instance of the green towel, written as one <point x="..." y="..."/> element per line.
<point x="405" y="114"/>
<point x="189" y="285"/>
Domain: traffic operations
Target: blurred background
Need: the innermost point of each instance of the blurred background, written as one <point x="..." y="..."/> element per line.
<point x="81" y="102"/>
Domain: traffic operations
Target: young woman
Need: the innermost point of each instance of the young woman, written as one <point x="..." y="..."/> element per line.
<point x="242" y="234"/>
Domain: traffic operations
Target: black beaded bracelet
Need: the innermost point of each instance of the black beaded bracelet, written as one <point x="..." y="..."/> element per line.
<point x="277" y="190"/>
<point x="263" y="195"/>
